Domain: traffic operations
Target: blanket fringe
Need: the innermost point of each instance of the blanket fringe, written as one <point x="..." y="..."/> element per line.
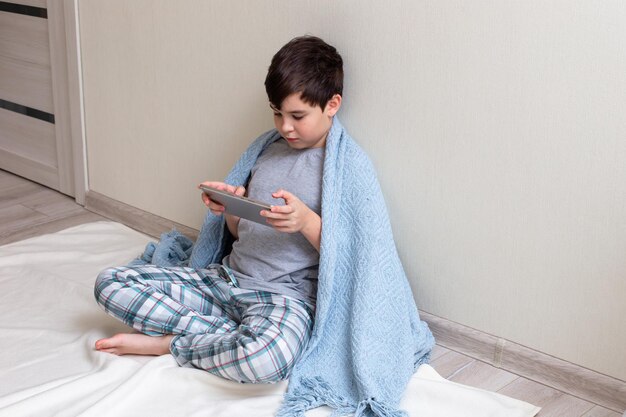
<point x="312" y="393"/>
<point x="173" y="249"/>
<point x="371" y="407"/>
<point x="315" y="392"/>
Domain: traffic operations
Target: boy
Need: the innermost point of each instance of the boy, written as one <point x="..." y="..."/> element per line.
<point x="254" y="330"/>
<point x="247" y="314"/>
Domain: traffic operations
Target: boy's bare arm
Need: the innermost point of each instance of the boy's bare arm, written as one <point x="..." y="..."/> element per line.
<point x="313" y="230"/>
<point x="295" y="216"/>
<point x="232" y="222"/>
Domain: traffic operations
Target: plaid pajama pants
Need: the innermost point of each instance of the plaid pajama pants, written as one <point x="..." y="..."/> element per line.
<point x="238" y="334"/>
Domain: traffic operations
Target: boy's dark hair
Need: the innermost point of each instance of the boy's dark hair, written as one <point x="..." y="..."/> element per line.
<point x="305" y="65"/>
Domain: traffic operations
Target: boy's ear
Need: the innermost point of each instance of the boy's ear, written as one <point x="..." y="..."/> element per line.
<point x="333" y="105"/>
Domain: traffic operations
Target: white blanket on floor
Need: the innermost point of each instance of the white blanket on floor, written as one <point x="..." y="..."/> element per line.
<point x="50" y="322"/>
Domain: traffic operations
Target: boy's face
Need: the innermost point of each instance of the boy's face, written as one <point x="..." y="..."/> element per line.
<point x="302" y="125"/>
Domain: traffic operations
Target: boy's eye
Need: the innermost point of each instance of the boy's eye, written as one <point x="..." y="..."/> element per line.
<point x="298" y="117"/>
<point x="277" y="114"/>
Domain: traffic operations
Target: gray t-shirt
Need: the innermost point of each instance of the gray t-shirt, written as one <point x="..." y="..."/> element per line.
<point x="263" y="258"/>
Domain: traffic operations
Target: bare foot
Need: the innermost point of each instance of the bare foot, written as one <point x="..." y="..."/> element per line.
<point x="137" y="344"/>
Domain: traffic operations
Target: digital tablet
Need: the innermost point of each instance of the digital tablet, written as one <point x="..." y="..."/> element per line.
<point x="239" y="206"/>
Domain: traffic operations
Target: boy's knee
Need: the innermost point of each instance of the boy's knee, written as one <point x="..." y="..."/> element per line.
<point x="272" y="376"/>
<point x="259" y="361"/>
<point x="278" y="364"/>
<point x="104" y="280"/>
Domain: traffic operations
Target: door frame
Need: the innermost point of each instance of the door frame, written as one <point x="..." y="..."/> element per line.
<point x="67" y="89"/>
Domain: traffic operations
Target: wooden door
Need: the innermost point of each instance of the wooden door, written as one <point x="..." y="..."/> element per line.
<point x="35" y="140"/>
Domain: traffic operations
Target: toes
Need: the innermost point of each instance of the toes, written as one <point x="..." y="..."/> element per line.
<point x="108" y="343"/>
<point x="111" y="350"/>
<point x="100" y="344"/>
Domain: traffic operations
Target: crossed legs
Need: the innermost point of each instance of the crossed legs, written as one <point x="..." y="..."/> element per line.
<point x="243" y="335"/>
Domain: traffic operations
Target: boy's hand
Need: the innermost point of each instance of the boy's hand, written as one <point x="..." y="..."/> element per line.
<point x="215" y="207"/>
<point x="295" y="216"/>
<point x="290" y="218"/>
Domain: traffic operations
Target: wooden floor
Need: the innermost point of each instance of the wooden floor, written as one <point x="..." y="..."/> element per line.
<point x="28" y="209"/>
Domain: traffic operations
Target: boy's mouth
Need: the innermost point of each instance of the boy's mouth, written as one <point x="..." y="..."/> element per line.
<point x="291" y="139"/>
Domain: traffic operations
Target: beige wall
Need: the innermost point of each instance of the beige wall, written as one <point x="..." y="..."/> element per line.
<point x="497" y="128"/>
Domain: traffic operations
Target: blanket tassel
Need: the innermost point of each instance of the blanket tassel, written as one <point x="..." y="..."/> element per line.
<point x="313" y="393"/>
<point x="371" y="407"/>
<point x="173" y="249"/>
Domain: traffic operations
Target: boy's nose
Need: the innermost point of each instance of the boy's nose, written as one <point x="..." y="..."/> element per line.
<point x="287" y="127"/>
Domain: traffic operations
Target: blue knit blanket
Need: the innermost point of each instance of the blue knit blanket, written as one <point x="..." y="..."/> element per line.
<point x="368" y="339"/>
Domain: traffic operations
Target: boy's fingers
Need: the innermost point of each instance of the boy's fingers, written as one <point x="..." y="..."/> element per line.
<point x="212" y="205"/>
<point x="282" y="209"/>
<point x="281" y="225"/>
<point x="285" y="195"/>
<point x="222" y="186"/>
<point x="268" y="214"/>
<point x="213" y="184"/>
<point x="275" y="214"/>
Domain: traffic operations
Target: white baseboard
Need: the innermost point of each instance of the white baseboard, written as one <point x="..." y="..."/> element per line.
<point x="135" y="218"/>
<point x="573" y="379"/>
